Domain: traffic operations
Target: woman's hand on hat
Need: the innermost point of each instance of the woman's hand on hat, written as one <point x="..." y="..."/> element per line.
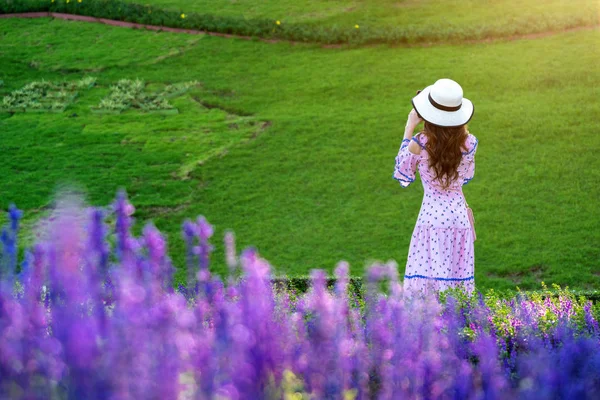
<point x="413" y="118"/>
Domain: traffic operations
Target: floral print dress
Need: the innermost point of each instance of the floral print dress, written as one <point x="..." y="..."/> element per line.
<point x="441" y="253"/>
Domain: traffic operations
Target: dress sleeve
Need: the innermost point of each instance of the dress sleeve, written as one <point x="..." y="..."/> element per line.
<point x="470" y="161"/>
<point x="406" y="165"/>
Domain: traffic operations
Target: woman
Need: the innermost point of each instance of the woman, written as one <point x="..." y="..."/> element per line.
<point x="441" y="253"/>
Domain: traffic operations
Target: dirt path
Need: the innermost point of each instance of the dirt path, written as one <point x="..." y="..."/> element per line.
<point x="82" y="18"/>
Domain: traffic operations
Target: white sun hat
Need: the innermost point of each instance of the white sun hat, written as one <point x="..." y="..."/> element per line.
<point x="443" y="104"/>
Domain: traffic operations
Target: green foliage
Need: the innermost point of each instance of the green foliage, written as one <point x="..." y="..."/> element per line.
<point x="128" y="93"/>
<point x="300" y="284"/>
<point x="44" y="95"/>
<point x="384" y="22"/>
<point x="21" y="6"/>
<point x="548" y="309"/>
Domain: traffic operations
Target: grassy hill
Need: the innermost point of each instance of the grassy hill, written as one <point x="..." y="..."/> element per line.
<point x="336" y="22"/>
<point x="421" y="14"/>
<point x="306" y="175"/>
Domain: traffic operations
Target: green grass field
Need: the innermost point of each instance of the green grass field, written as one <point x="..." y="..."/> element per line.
<point x="342" y="22"/>
<point x="296" y="148"/>
<point x="424" y="15"/>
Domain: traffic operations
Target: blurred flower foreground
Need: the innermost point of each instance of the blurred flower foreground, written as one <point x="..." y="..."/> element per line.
<point x="90" y="313"/>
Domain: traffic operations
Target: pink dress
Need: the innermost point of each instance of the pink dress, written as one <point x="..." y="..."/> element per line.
<point x="441" y="253"/>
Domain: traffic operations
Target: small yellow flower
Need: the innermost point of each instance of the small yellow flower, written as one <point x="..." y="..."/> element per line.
<point x="79" y="1"/>
<point x="182" y="15"/>
<point x="68" y="1"/>
<point x="356" y="26"/>
<point x="278" y="22"/>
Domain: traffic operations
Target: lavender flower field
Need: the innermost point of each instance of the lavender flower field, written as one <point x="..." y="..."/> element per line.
<point x="90" y="312"/>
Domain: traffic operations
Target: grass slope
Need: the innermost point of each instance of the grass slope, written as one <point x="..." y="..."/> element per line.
<point x="354" y="23"/>
<point x="422" y="15"/>
<point x="317" y="186"/>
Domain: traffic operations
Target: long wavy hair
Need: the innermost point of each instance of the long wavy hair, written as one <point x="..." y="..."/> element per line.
<point x="445" y="146"/>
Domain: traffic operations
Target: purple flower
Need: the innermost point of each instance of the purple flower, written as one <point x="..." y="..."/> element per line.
<point x="93" y="321"/>
<point x="15" y="216"/>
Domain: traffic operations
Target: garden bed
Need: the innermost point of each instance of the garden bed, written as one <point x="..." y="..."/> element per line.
<point x="129" y="94"/>
<point x="44" y="96"/>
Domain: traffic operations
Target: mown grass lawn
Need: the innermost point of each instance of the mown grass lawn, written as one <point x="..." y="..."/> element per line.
<point x="384" y="21"/>
<point x="316" y="186"/>
<point x="422" y="15"/>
